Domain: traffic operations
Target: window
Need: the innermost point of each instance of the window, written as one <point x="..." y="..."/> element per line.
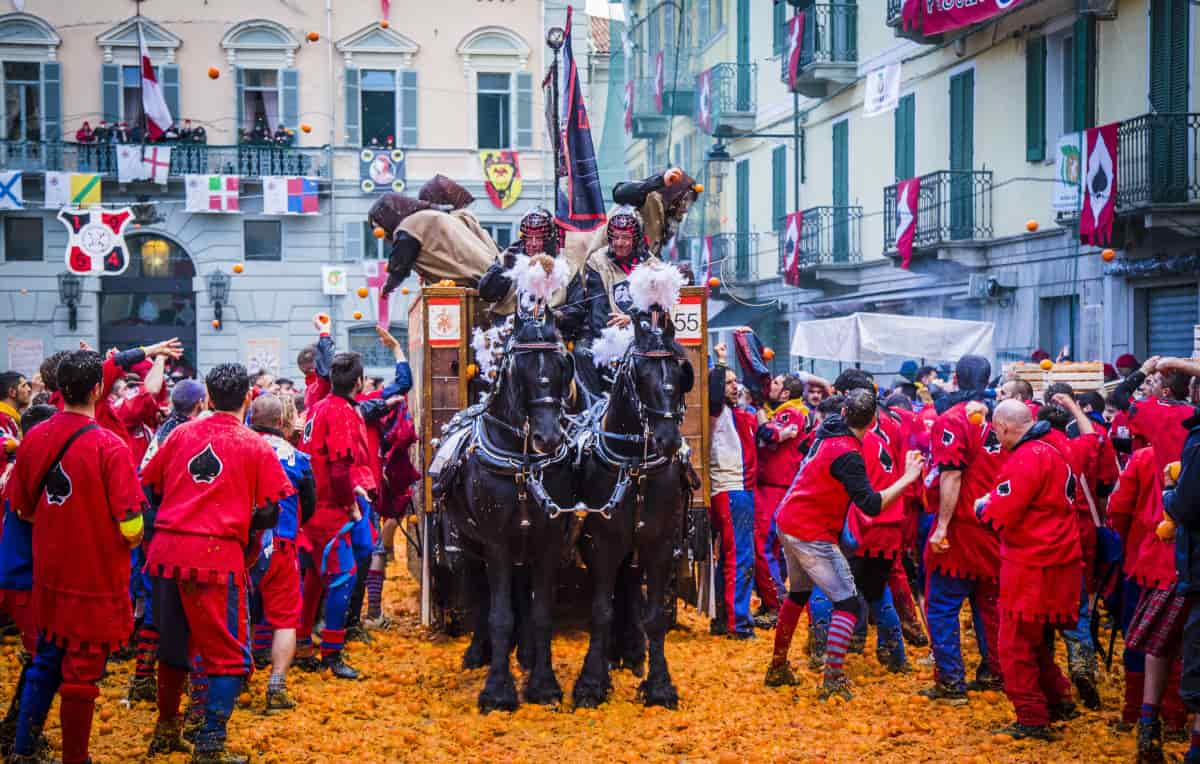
<point x="501" y="233"/>
<point x="131" y="95"/>
<point x="260" y="102"/>
<point x="264" y="240"/>
<point x="373" y="249"/>
<point x="494" y="108"/>
<point x="365" y="342"/>
<point x="1035" y="99"/>
<point x="905" y="118"/>
<point x="22" y="239"/>
<point x="22" y="101"/>
<point x="779" y="23"/>
<point x="1059" y="320"/>
<point x="378" y="107"/>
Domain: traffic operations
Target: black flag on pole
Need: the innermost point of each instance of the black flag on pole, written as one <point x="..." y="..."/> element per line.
<point x="580" y="204"/>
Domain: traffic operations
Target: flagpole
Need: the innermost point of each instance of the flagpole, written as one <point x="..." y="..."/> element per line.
<point x="141" y="93"/>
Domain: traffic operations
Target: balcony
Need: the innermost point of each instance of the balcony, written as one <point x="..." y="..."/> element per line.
<point x="725" y="105"/>
<point x="828" y="49"/>
<point x="828" y="236"/>
<point x="246" y="161"/>
<point x="895" y="19"/>
<point x="648" y="121"/>
<point x="954" y="208"/>
<point x="735" y="256"/>
<point x="1158" y="168"/>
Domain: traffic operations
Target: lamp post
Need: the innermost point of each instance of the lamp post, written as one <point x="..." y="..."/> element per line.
<point x="218" y="293"/>
<point x="556" y="37"/>
<point x="70" y="289"/>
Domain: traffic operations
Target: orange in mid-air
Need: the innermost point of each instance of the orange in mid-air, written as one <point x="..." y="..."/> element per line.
<point x="313" y="36"/>
<point x="238" y="268"/>
<point x="357" y="315"/>
<point x="213" y="72"/>
<point x="768" y="353"/>
<point x="714" y="282"/>
<point x="379" y="232"/>
<point x="363" y="291"/>
<point x="216" y="324"/>
<point x="1031" y="225"/>
<point x="976" y="418"/>
<point x="1108" y="255"/>
<point x="1046" y="364"/>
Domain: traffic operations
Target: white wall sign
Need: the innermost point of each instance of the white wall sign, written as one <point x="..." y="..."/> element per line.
<point x="333" y="279"/>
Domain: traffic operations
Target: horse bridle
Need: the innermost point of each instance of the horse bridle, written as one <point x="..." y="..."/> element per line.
<point x="645" y="412"/>
<point x="547" y="400"/>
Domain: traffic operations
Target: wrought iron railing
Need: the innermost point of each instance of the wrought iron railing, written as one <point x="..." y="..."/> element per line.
<point x="644" y="104"/>
<point x="953" y="205"/>
<point x="830" y="36"/>
<point x="828" y="236"/>
<point x="735" y="256"/>
<point x="247" y="161"/>
<point x="733" y="89"/>
<point x="1158" y="161"/>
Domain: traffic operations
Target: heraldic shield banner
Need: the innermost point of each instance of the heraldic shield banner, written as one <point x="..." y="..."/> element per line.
<point x="96" y="246"/>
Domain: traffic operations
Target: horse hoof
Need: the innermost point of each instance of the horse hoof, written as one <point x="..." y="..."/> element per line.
<point x="525" y="660"/>
<point x="475" y="657"/>
<point x="588" y="694"/>
<point x="544" y="692"/>
<point x="502" y="698"/>
<point x="635" y="666"/>
<point x="659" y="694"/>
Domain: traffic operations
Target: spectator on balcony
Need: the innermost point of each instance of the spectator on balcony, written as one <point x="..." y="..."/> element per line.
<point x="84" y="134"/>
<point x="103" y="133"/>
<point x="122" y="132"/>
<point x="283" y="136"/>
<point x="171" y="133"/>
<point x="261" y="132"/>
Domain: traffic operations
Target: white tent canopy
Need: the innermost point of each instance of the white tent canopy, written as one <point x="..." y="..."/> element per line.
<point x="876" y="337"/>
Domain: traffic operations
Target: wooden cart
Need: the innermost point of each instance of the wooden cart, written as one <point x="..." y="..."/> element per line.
<point x="440" y="324"/>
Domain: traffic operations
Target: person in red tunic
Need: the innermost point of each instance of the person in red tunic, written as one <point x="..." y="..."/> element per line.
<point x="314" y="363"/>
<point x="75" y="480"/>
<point x="15" y="393"/>
<point x="962" y="557"/>
<point x="335" y="438"/>
<point x="915" y="436"/>
<point x="215" y="481"/>
<point x="1030" y="509"/>
<point x="142" y="408"/>
<point x="811" y="519"/>
<point x="1158" y="420"/>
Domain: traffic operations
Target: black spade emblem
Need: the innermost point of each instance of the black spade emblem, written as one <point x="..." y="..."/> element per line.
<point x="205" y="466"/>
<point x="58" y="486"/>
<point x="308" y="430"/>
<point x="882" y="435"/>
<point x="947" y="437"/>
<point x="885" y="459"/>
<point x="992" y="443"/>
<point x="1004" y="489"/>
<point x="1099" y="181"/>
<point x="1071" y="486"/>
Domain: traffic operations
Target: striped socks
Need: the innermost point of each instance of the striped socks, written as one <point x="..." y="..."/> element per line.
<point x="332" y="642"/>
<point x="841" y="630"/>
<point x="374" y="594"/>
<point x="263" y="636"/>
<point x="147" y="651"/>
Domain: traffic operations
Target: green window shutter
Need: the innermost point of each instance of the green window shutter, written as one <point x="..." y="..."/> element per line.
<point x="291" y="97"/>
<point x="353" y="133"/>
<point x="779" y="27"/>
<point x="1084" y="41"/>
<point x="841" y="164"/>
<point x="408" y="108"/>
<point x="170" y="87"/>
<point x="778" y="187"/>
<point x="906" y="137"/>
<point x="1168" y="57"/>
<point x="239" y="105"/>
<point x="1035" y="99"/>
<point x="742" y="240"/>
<point x="110" y="87"/>
<point x="962" y="121"/>
<point x="524" y="110"/>
<point x="51" y="101"/>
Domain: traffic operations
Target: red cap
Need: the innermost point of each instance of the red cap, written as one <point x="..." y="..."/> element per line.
<point x="1127" y="361"/>
<point x="1109" y="372"/>
<point x="1040" y="355"/>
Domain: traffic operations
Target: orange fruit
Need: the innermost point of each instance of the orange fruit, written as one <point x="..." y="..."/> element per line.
<point x="357" y="315"/>
<point x="106" y="714"/>
<point x="306" y="127"/>
<point x="698" y="188"/>
<point x="313" y="36"/>
<point x="1031" y="225"/>
<point x="384" y="24"/>
<point x="213" y="72"/>
<point x="1173" y="470"/>
<point x="1108" y="255"/>
<point x="976" y="418"/>
<point x="244" y="699"/>
<point x="216" y="324"/>
<point x="363" y="291"/>
<point x="403" y="290"/>
<point x="323" y="318"/>
<point x="1046" y="364"/>
<point x="238" y="268"/>
<point x="1002" y="739"/>
<point x="768" y="353"/>
<point x="714" y="282"/>
<point x="379" y="232"/>
<point x="472" y="370"/>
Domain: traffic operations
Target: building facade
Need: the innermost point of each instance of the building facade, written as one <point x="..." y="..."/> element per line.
<point x="434" y="84"/>
<point x="979" y="121"/>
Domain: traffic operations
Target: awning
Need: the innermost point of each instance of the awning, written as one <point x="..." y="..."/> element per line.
<point x="738" y="314"/>
<point x="874" y="337"/>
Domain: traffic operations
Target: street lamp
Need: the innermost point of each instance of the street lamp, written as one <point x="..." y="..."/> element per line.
<point x="555" y="37"/>
<point x="70" y="289"/>
<point x="218" y="293"/>
<point x="718" y="160"/>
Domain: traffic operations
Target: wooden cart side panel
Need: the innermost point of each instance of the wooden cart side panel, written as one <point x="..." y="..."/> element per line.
<point x="696" y="420"/>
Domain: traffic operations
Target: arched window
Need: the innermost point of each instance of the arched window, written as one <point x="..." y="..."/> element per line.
<point x="262" y="55"/>
<point x="32" y="79"/>
<point x="495" y="60"/>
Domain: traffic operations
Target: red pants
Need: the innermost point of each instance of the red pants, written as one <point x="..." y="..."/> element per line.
<point x="722" y="525"/>
<point x="207" y="619"/>
<point x="766" y="500"/>
<point x="280" y="588"/>
<point x="17" y="604"/>
<point x="902" y="596"/>
<point x="1032" y="680"/>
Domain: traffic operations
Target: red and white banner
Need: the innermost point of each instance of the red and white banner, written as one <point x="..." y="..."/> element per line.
<point x="629" y="107"/>
<point x="935" y="16"/>
<point x="158" y="116"/>
<point x="658" y="82"/>
<point x="908" y="193"/>
<point x="96" y="240"/>
<point x="792" y="227"/>
<point x="704" y="98"/>
<point x="1099" y="185"/>
<point x="795" y="45"/>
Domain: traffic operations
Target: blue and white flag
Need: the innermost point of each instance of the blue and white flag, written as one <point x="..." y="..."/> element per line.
<point x="581" y="203"/>
<point x="11" y="197"/>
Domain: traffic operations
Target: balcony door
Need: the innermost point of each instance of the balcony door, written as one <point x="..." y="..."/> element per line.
<point x="1169" y="100"/>
<point x="962" y="154"/>
<point x="841" y="192"/>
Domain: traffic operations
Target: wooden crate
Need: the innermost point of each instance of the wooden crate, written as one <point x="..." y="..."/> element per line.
<point x="1082" y="376"/>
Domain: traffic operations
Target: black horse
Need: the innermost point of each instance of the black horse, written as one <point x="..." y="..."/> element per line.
<point x="503" y="506"/>
<point x="634" y="480"/>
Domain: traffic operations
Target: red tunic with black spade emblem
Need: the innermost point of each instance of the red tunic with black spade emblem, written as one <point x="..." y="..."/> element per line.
<point x="974" y="450"/>
<point x="211" y="474"/>
<point x="1030" y="507"/>
<point x="80" y="558"/>
<point x="884" y="453"/>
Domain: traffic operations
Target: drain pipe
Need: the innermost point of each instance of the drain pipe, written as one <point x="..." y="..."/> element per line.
<point x="332" y="130"/>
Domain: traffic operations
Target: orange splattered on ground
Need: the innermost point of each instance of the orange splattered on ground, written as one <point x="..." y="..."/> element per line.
<point x="416" y="704"/>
